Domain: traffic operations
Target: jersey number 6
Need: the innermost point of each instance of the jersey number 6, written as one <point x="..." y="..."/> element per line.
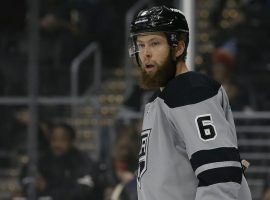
<point x="205" y="127"/>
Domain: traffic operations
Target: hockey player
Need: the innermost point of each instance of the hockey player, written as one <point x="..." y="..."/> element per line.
<point x="188" y="139"/>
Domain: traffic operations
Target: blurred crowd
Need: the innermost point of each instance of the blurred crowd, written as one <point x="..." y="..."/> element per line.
<point x="239" y="57"/>
<point x="239" y="60"/>
<point x="66" y="172"/>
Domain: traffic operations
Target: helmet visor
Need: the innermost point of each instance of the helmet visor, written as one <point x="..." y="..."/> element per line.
<point x="132" y="46"/>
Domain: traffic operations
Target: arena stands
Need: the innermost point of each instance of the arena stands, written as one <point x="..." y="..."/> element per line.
<point x="231" y="43"/>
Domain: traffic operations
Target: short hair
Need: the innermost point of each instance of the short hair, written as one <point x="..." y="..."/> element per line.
<point x="185" y="38"/>
<point x="127" y="159"/>
<point x="69" y="130"/>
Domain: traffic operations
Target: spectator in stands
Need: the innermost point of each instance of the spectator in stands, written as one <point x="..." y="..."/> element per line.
<point x="266" y="188"/>
<point x="66" y="22"/>
<point x="65" y="173"/>
<point x="12" y="55"/>
<point x="128" y="137"/>
<point x="222" y="71"/>
<point x="15" y="137"/>
<point x="67" y="27"/>
<point x="125" y="164"/>
<point x="13" y="21"/>
<point x="134" y="102"/>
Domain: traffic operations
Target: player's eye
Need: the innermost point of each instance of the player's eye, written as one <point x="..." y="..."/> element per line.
<point x="154" y="43"/>
<point x="140" y="46"/>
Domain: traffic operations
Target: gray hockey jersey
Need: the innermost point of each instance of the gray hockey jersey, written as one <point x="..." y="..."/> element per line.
<point x="189" y="145"/>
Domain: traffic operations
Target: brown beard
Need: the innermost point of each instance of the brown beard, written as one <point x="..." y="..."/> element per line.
<point x="160" y="78"/>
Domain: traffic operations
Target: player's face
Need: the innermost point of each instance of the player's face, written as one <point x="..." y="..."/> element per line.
<point x="156" y="65"/>
<point x="60" y="142"/>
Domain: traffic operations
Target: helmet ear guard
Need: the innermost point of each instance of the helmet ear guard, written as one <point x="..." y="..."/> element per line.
<point x="175" y="38"/>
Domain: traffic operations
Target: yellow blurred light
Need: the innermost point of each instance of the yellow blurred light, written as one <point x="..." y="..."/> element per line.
<point x="224" y="24"/>
<point x="225" y="14"/>
<point x="233" y="13"/>
<point x="198" y="60"/>
<point x="204" y="37"/>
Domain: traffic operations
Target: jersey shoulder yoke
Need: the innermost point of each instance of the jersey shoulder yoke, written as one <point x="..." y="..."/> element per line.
<point x="189" y="88"/>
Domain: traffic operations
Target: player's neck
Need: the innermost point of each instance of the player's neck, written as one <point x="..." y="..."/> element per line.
<point x="181" y="68"/>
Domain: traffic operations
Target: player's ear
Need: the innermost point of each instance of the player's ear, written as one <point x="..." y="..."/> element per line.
<point x="179" y="50"/>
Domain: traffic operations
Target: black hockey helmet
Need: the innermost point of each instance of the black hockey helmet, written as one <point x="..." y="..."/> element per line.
<point x="171" y="21"/>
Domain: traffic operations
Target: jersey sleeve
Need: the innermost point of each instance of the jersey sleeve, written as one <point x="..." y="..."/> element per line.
<point x="208" y="132"/>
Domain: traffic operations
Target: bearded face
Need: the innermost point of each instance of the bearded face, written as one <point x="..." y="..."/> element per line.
<point x="157" y="66"/>
<point x="160" y="77"/>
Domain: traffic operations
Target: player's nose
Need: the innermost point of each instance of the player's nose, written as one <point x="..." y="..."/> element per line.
<point x="146" y="52"/>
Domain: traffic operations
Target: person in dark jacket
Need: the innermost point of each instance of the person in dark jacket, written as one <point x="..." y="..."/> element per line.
<point x="125" y="164"/>
<point x="64" y="172"/>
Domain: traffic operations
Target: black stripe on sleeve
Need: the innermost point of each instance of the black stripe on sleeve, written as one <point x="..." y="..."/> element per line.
<point x="222" y="154"/>
<point x="220" y="175"/>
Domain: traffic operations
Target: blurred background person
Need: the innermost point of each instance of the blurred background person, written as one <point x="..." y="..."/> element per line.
<point x="266" y="188"/>
<point x="231" y="45"/>
<point x="125" y="164"/>
<point x="223" y="71"/>
<point x="65" y="172"/>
